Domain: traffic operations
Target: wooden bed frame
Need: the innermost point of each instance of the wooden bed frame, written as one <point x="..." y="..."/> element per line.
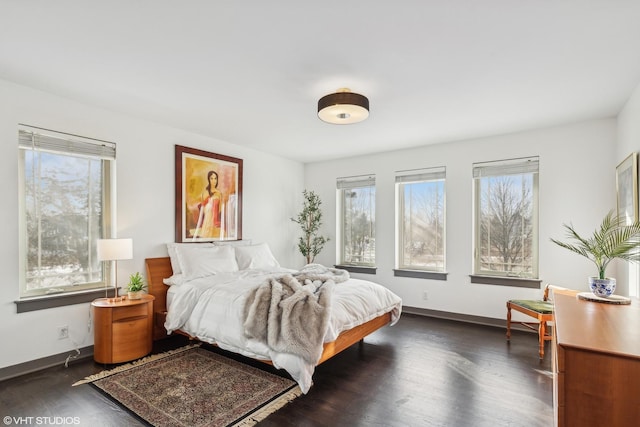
<point x="160" y="268"/>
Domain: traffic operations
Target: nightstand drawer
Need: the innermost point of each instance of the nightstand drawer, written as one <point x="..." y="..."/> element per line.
<point x="129" y="312"/>
<point x="131" y="339"/>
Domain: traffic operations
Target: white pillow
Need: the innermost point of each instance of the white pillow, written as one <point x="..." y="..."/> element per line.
<point x="173" y="255"/>
<point x="199" y="261"/>
<point x="176" y="279"/>
<point x="255" y="256"/>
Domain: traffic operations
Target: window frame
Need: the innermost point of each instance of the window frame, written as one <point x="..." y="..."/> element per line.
<point x="499" y="168"/>
<point x="402" y="179"/>
<point x="32" y="138"/>
<point x="351" y="183"/>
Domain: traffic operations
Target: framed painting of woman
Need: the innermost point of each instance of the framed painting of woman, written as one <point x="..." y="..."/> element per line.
<point x="208" y="196"/>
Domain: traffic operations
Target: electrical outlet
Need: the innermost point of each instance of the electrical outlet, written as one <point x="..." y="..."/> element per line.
<point x="63" y="332"/>
<point x="425" y="296"/>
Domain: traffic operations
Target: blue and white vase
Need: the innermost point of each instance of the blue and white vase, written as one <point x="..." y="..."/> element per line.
<point x="602" y="287"/>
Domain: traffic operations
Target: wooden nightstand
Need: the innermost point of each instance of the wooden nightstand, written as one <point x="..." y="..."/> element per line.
<point x="123" y="329"/>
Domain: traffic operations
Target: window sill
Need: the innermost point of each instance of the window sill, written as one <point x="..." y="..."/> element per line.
<point x="506" y="281"/>
<point x="357" y="269"/>
<point x="420" y="274"/>
<point x="59" y="300"/>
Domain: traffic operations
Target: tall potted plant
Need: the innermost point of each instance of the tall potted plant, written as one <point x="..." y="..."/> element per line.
<point x="310" y="219"/>
<point x="614" y="239"/>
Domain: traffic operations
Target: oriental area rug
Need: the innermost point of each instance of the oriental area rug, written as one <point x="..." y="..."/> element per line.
<point x="195" y="387"/>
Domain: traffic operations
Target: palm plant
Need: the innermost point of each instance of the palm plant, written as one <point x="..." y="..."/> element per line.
<point x="614" y="239"/>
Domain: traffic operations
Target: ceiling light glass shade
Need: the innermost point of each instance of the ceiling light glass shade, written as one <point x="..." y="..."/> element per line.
<point x="343" y="108"/>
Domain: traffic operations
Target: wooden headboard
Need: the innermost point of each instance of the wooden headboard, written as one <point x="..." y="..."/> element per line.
<point x="157" y="270"/>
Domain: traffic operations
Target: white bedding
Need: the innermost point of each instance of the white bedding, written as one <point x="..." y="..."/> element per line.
<point x="211" y="309"/>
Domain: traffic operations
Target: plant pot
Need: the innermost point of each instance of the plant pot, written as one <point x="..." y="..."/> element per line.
<point x="602" y="287"/>
<point x="135" y="295"/>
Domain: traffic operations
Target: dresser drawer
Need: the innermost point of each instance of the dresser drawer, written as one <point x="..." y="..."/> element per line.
<point x="129" y="312"/>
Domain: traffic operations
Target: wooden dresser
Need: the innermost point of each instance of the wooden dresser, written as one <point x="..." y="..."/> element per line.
<point x="123" y="329"/>
<point x="596" y="362"/>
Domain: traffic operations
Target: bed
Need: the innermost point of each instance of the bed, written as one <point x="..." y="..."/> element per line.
<point x="212" y="302"/>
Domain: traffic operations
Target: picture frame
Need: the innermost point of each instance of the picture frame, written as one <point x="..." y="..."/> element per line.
<point x="627" y="189"/>
<point x="208" y="196"/>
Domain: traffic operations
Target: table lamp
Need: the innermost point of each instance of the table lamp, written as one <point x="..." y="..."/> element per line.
<point x="114" y="250"/>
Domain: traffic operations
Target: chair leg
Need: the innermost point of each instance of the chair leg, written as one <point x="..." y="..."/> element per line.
<point x="508" y="321"/>
<point x="542" y="331"/>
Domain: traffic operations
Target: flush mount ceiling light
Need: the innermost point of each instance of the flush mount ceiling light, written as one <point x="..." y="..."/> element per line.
<point x="343" y="107"/>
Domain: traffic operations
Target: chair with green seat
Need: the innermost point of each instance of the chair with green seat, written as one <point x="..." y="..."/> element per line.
<point x="541" y="310"/>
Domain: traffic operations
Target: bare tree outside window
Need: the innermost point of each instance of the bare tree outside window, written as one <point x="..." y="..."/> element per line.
<point x="65" y="199"/>
<point x="358" y="226"/>
<point x="506" y="225"/>
<point x="422" y="225"/>
<point x="63" y="207"/>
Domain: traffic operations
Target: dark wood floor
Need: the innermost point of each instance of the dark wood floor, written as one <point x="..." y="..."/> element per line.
<point x="420" y="372"/>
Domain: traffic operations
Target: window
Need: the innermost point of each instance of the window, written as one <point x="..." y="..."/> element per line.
<point x="420" y="220"/>
<point x="506" y="218"/>
<point x="65" y="200"/>
<point x="356" y="221"/>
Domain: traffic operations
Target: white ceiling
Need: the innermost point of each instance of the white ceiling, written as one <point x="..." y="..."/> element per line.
<point x="251" y="72"/>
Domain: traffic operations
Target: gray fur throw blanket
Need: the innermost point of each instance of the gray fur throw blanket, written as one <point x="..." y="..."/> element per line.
<point x="290" y="313"/>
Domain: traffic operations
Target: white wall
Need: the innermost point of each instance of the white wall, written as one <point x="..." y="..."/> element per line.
<point x="577" y="184"/>
<point x="628" y="142"/>
<point x="145" y="205"/>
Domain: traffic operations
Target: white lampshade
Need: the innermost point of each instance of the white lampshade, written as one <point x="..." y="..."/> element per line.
<point x="114" y="249"/>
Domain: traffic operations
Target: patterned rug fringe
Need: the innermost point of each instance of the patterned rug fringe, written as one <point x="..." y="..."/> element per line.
<point x="133" y="364"/>
<point x="269" y="408"/>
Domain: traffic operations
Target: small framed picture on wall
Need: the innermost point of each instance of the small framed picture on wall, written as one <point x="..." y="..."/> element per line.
<point x="627" y="189"/>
